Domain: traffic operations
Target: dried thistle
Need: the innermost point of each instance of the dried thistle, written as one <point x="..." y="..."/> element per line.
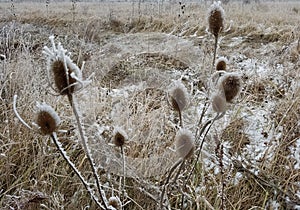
<point x="184" y="143"/>
<point x="216" y="19"/>
<point x="119" y="137"/>
<point x="216" y="24"/>
<point x="230" y="85"/>
<point x="62" y="79"/>
<point x="179" y="96"/>
<point x="47" y="119"/>
<point x="67" y="75"/>
<point x="221" y="64"/>
<point x="114" y="202"/>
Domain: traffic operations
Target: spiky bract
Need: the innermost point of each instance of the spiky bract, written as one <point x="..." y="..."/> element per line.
<point x="67" y="75"/>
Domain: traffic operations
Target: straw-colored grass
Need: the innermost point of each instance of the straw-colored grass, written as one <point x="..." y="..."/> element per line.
<point x="135" y="55"/>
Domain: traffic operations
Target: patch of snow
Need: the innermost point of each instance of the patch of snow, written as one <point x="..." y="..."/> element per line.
<point x="295" y="154"/>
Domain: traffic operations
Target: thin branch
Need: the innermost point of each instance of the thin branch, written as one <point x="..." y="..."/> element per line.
<point x="176" y="164"/>
<point x="17" y="114"/>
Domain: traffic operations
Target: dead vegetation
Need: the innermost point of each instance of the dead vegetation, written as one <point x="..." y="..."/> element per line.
<point x="34" y="176"/>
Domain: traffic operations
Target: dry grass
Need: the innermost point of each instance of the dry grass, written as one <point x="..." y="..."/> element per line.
<point x="135" y="58"/>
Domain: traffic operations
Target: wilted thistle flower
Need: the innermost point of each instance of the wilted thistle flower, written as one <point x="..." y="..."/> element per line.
<point x="179" y="96"/>
<point x="114" y="202"/>
<point x="47" y="119"/>
<point x="216" y="18"/>
<point x="219" y="102"/>
<point x="184" y="143"/>
<point x="221" y="64"/>
<point x="67" y="75"/>
<point x="119" y="137"/>
<point x="230" y="85"/>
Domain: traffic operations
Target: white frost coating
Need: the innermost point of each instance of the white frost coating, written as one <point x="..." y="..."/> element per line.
<point x="17" y="114"/>
<point x="182" y="100"/>
<point x="216" y="6"/>
<point x="43" y="107"/>
<point x="120" y="130"/>
<point x="58" y="53"/>
<point x="295" y="153"/>
<point x="71" y="164"/>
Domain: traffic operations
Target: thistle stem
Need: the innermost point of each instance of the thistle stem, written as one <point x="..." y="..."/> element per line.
<point x="73" y="167"/>
<point x="87" y="151"/>
<point x="215" y="52"/>
<point x="172" y="169"/>
<point x="124" y="175"/>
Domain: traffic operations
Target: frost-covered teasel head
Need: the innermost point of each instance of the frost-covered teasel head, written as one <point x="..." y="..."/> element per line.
<point x="119" y="137"/>
<point x="178" y="96"/>
<point x="114" y="202"/>
<point x="47" y="120"/>
<point x="216" y="17"/>
<point x="184" y="143"/>
<point x="66" y="74"/>
<point x="221" y="64"/>
<point x="230" y="85"/>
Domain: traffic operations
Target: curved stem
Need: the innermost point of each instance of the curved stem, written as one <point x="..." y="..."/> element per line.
<point x="17" y="114"/>
<point x="87" y="151"/>
<point x="211" y="122"/>
<point x="73" y="167"/>
<point x="176" y="164"/>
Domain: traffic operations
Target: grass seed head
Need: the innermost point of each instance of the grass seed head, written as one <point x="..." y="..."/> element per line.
<point x="230" y="85"/>
<point x="179" y="96"/>
<point x="216" y="18"/>
<point x="47" y="119"/>
<point x="184" y="143"/>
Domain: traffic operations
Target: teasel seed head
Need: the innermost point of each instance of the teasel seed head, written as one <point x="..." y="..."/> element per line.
<point x="119" y="137"/>
<point x="179" y="96"/>
<point x="47" y="119"/>
<point x="184" y="143"/>
<point x="67" y="75"/>
<point x="219" y="104"/>
<point x="221" y="64"/>
<point x="216" y="18"/>
<point x="230" y="85"/>
<point x="63" y="81"/>
<point x="114" y="202"/>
